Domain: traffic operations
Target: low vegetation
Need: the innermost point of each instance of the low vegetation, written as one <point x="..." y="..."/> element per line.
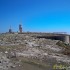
<point x="65" y="46"/>
<point x="35" y="63"/>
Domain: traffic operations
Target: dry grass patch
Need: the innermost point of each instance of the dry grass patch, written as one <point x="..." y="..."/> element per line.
<point x="66" y="47"/>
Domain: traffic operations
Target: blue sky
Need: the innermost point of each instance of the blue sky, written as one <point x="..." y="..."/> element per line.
<point x="35" y="15"/>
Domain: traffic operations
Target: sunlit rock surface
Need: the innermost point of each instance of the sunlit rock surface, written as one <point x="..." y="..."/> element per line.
<point x="15" y="47"/>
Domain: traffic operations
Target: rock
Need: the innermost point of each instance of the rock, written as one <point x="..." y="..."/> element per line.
<point x="6" y="52"/>
<point x="12" y="66"/>
<point x="19" y="65"/>
<point x="0" y="61"/>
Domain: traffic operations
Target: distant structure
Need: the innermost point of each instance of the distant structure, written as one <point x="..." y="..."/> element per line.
<point x="20" y="28"/>
<point x="10" y="30"/>
<point x="60" y="32"/>
<point x="67" y="40"/>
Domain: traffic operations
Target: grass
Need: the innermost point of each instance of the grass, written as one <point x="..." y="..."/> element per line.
<point x="62" y="44"/>
<point x="34" y="62"/>
<point x="66" y="47"/>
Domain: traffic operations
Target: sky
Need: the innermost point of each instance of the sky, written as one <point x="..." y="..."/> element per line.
<point x="35" y="15"/>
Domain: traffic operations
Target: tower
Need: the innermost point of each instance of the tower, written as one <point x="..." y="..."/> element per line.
<point x="20" y="28"/>
<point x="10" y="30"/>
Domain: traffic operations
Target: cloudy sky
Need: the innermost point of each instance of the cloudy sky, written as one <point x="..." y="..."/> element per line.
<point x="35" y="15"/>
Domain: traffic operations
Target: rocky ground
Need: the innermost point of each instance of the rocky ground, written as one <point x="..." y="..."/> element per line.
<point x="25" y="52"/>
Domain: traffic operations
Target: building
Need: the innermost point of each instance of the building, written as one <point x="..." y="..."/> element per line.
<point x="20" y="28"/>
<point x="10" y="30"/>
